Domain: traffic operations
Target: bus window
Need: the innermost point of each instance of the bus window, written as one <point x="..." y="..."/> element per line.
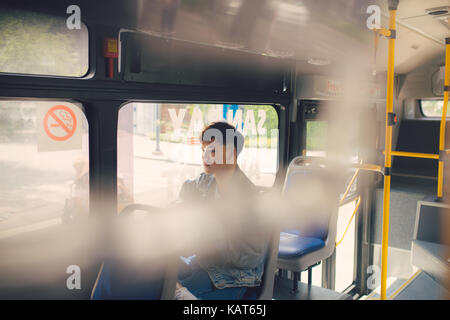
<point x="44" y="163"/>
<point x="316" y="138"/>
<point x="159" y="147"/>
<point x="432" y="108"/>
<point x="36" y="43"/>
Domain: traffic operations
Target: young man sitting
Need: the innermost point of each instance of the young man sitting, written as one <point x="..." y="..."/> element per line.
<point x="236" y="261"/>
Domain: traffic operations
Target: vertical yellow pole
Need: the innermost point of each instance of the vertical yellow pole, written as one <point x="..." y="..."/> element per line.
<point x="443" y="119"/>
<point x="388" y="147"/>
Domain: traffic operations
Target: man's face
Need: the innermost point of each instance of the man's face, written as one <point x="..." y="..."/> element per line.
<point x="214" y="157"/>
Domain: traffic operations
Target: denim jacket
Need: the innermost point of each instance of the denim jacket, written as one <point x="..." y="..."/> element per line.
<point x="239" y="260"/>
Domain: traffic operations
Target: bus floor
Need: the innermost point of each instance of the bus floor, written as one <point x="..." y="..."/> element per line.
<point x="420" y="286"/>
<point x="282" y="290"/>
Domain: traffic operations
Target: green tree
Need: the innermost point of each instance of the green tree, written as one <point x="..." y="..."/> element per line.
<point x="36" y="43"/>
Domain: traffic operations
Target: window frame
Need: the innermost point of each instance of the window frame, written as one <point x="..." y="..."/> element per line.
<point x="423" y="113"/>
<point x="82" y="108"/>
<point x="279" y="174"/>
<point x="91" y="57"/>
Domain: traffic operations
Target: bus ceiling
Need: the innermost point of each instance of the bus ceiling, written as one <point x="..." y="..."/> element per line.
<point x="306" y="31"/>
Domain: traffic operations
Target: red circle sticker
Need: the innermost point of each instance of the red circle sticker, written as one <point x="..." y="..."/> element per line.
<point x="60" y="123"/>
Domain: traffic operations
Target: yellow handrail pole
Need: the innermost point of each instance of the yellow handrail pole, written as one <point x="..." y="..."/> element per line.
<point x="443" y="119"/>
<point x="358" y="201"/>
<point x="368" y="167"/>
<point x="349" y="187"/>
<point x="415" y="155"/>
<point x="388" y="146"/>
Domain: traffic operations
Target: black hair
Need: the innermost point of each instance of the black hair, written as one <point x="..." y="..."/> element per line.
<point x="222" y="126"/>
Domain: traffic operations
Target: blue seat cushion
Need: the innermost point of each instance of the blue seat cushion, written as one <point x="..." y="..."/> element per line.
<point x="320" y="233"/>
<point x="290" y="231"/>
<point x="294" y="246"/>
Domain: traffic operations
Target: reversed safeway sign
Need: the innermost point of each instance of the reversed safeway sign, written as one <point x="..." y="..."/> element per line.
<point x="59" y="127"/>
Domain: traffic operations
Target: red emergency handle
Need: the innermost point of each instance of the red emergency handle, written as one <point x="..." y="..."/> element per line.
<point x="111" y="52"/>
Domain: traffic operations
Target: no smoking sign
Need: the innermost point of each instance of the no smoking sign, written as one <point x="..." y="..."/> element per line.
<point x="60" y="123"/>
<point x="59" y="127"/>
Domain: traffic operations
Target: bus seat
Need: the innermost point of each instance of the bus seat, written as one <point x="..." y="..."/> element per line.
<point x="417" y="136"/>
<point x="114" y="283"/>
<point x="294" y="245"/>
<point x="300" y="250"/>
<point x="121" y="279"/>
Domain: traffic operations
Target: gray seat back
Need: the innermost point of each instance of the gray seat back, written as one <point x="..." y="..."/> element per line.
<point x="153" y="279"/>
<point x="270" y="267"/>
<point x="301" y="173"/>
<point x="308" y="177"/>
